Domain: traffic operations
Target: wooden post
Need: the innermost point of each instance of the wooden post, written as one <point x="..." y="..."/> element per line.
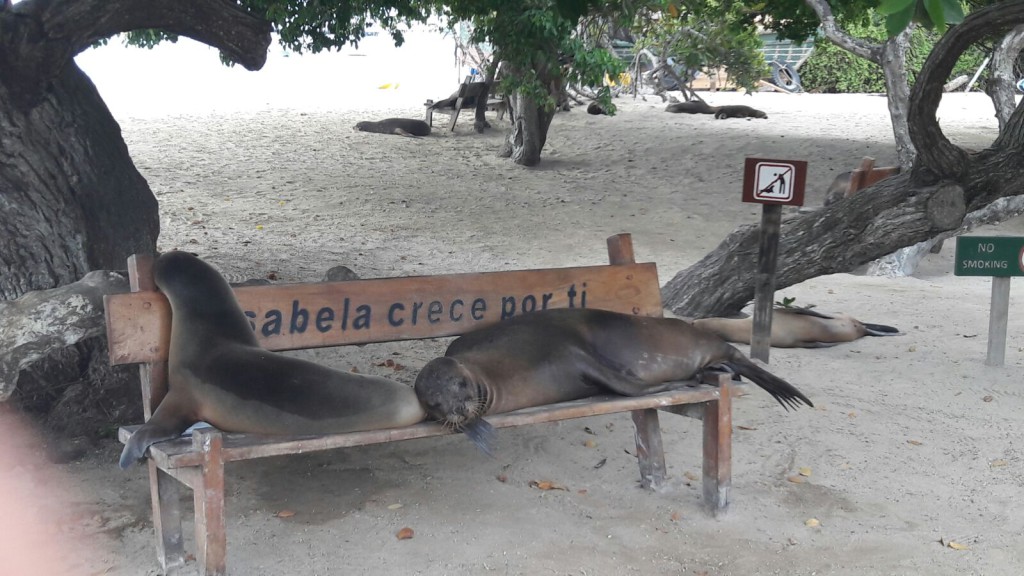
<point x="165" y="492"/>
<point x="764" y="290"/>
<point x="208" y="495"/>
<point x="650" y="452"/>
<point x="999" y="310"/>
<point x="717" y="467"/>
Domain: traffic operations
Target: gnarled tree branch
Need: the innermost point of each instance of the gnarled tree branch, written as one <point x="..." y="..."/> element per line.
<point x="937" y="157"/>
<point x="38" y="37"/>
<point x="833" y="32"/>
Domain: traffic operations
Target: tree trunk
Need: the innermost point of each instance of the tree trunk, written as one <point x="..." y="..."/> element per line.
<point x="72" y="199"/>
<point x="480" y="122"/>
<point x="893" y="61"/>
<point x="1002" y="83"/>
<point x="528" y="131"/>
<point x="944" y="185"/>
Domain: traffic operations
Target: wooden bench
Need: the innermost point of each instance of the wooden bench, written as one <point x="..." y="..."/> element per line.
<point x="138" y="329"/>
<point x="467" y="89"/>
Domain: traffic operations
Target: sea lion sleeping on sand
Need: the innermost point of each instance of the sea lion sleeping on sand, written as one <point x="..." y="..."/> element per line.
<point x="565" y="354"/>
<point x="798" y="328"/>
<point x="400" y="126"/>
<point x="218" y="373"/>
<point x="720" y="112"/>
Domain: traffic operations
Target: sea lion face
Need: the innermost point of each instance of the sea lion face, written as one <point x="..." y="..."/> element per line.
<point x="362" y="126"/>
<point x="448" y="393"/>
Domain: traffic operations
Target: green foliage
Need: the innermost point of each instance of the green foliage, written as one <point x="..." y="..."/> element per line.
<point x="703" y="33"/>
<point x="931" y="14"/>
<point x="538" y="41"/>
<point x="832" y="69"/>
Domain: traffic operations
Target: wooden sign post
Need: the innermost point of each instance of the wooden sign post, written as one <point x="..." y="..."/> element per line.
<point x="773" y="184"/>
<point x="1000" y="257"/>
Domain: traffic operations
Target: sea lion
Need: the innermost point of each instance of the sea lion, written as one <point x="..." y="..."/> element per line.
<point x="691" y="107"/>
<point x="720" y="112"/>
<point x="798" y="328"/>
<point x="400" y="126"/>
<point x="565" y="354"/>
<point x="217" y="373"/>
<point x="738" y="111"/>
<point x="596" y="109"/>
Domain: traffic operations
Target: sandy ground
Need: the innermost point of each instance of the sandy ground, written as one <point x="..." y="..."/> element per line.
<point x="913" y="439"/>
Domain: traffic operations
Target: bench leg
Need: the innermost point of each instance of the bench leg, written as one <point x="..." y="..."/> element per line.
<point x="208" y="495"/>
<point x="718" y="448"/>
<point x="649" y="452"/>
<point x="165" y="492"/>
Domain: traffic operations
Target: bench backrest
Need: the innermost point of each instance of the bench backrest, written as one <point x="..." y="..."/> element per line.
<point x="312" y="315"/>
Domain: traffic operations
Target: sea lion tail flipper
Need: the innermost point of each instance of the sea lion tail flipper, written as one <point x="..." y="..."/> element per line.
<point x="785" y="393"/>
<point x="881" y="330"/>
<point x="482" y="434"/>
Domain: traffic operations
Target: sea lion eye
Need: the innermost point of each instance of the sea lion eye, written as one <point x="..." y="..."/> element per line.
<point x="463" y="384"/>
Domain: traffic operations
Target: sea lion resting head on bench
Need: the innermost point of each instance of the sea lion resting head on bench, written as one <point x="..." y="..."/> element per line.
<point x="565" y="354"/>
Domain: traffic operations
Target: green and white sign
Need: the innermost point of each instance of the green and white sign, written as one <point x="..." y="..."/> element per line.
<point x="989" y="256"/>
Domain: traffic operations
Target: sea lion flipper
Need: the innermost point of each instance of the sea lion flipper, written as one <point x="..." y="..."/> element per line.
<point x="784" y="393"/>
<point x="881" y="330"/>
<point x="482" y="434"/>
<point x="167" y="423"/>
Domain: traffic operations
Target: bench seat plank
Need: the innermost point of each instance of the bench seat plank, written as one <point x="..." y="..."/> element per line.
<point x="179" y="453"/>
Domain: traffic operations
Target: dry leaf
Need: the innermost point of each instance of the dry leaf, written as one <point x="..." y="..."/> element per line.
<point x="956" y="545"/>
<point x="589" y="431"/>
<point x="914" y="442"/>
<point x="285" y="514"/>
<point x="746" y="428"/>
<point x="502" y="478"/>
<point x="676" y="517"/>
<point x="852" y="415"/>
<point x="405" y="533"/>
<point x="999" y="463"/>
<point x="912" y="349"/>
<point x="601" y="463"/>
<point x="796" y="479"/>
<point x="987" y="398"/>
<point x="590" y="444"/>
<point x="805" y="471"/>
<point x="582" y="491"/>
<point x="691" y="476"/>
<point x="812" y="523"/>
<point x="394" y="506"/>
<point x="354" y="370"/>
<point x="546" y="485"/>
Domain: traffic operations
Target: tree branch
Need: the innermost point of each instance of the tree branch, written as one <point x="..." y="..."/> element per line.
<point x="937" y="157"/>
<point x="1001" y="83"/>
<point x="839" y="37"/>
<point x="38" y="37"/>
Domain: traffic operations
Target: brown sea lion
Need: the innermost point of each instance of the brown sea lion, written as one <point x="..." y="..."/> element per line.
<point x="797" y="328"/>
<point x="738" y="111"/>
<point x="720" y="112"/>
<point x="691" y="107"/>
<point x="217" y="373"/>
<point x="565" y="354"/>
<point x="400" y="126"/>
<point x="596" y="109"/>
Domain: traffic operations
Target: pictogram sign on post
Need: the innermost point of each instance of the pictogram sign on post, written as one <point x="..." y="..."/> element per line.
<point x="773" y="183"/>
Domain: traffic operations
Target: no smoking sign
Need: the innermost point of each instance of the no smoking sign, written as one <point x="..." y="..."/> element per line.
<point x="768" y="181"/>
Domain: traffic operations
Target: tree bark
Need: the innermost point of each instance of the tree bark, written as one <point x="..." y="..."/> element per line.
<point x="1002" y="83"/>
<point x="893" y="60"/>
<point x="44" y="321"/>
<point x="945" y="184"/>
<point x="530" y="120"/>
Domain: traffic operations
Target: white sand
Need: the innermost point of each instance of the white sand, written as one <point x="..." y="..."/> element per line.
<point x="913" y="439"/>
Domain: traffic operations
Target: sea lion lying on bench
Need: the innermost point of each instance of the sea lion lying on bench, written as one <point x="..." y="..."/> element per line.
<point x="797" y="328"/>
<point x="400" y="126"/>
<point x="570" y="353"/>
